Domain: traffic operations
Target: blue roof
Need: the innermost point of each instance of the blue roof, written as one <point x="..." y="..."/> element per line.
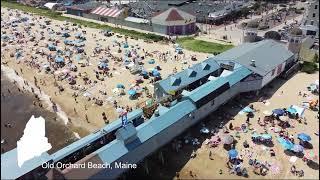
<point x="93" y="136"/>
<point x="268" y="54"/>
<point x="10" y="168"/>
<point x="189" y="75"/>
<point x="237" y="75"/>
<point x="207" y="88"/>
<point x="171" y="116"/>
<point x="147" y="130"/>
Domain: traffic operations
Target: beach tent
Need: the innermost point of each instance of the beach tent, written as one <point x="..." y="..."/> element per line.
<point x="233" y="153"/>
<point x="59" y="59"/>
<point x="286" y="144"/>
<point x="299" y="110"/>
<point x="304" y="137"/>
<point x="297" y="148"/>
<point x="125" y="45"/>
<point x="132" y="92"/>
<point x="278" y="112"/>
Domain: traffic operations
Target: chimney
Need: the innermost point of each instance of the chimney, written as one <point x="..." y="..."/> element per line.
<point x="253" y="63"/>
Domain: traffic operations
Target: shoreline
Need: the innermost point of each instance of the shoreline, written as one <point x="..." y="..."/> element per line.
<point x="10" y="74"/>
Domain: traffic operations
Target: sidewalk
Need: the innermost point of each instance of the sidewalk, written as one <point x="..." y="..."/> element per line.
<point x="112" y="25"/>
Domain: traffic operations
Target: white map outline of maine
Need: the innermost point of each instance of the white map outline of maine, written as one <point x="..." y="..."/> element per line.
<point x="33" y="142"/>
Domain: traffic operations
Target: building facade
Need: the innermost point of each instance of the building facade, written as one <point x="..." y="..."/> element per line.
<point x="310" y="22"/>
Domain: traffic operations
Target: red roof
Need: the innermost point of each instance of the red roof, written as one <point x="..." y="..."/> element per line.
<point x="174" y="16"/>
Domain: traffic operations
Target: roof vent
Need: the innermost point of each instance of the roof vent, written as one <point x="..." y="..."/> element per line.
<point x="253" y="63"/>
<point x="156" y="113"/>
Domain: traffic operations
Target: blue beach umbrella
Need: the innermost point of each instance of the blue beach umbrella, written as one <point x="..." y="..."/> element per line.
<point x="278" y="112"/>
<point x="151" y="61"/>
<point x="125" y="46"/>
<point x="120" y="86"/>
<point x="292" y="110"/>
<point x="132" y="92"/>
<point x="304" y="137"/>
<point x="59" y="59"/>
<point x="255" y="135"/>
<point x="286" y="144"/>
<point x="155" y="72"/>
<point x="144" y="72"/>
<point x="233" y="153"/>
<point x="297" y="148"/>
<point x="266" y="136"/>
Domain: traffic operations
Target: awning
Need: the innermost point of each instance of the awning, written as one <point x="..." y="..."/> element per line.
<point x="109" y="12"/>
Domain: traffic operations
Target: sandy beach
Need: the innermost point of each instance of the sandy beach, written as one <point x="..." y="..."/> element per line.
<point x="203" y="167"/>
<point x="75" y="108"/>
<point x="22" y="63"/>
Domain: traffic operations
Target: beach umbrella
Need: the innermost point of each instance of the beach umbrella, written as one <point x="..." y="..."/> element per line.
<point x="151" y="61"/>
<point x="132" y="92"/>
<point x="233" y="153"/>
<point x="155" y="72"/>
<point x="286" y="144"/>
<point x="144" y="73"/>
<point x="125" y="46"/>
<point x="310" y="154"/>
<point x="120" y="86"/>
<point x="297" y="148"/>
<point x="266" y="136"/>
<point x="278" y="112"/>
<point x="149" y="102"/>
<point x="292" y="110"/>
<point x="304" y="137"/>
<point x="59" y="59"/>
<point x="255" y="135"/>
<point x="267" y="113"/>
<point x="103" y="65"/>
<point x="227" y="139"/>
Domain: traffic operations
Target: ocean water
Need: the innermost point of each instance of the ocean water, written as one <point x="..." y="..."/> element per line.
<point x="17" y="108"/>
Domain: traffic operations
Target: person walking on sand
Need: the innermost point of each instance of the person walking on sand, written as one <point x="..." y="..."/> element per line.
<point x="87" y="118"/>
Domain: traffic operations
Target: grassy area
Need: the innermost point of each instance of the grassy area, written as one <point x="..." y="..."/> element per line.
<point x="58" y="16"/>
<point x="309" y="67"/>
<point x="202" y="46"/>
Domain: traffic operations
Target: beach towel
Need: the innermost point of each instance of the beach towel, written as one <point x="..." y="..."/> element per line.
<point x="293" y="159"/>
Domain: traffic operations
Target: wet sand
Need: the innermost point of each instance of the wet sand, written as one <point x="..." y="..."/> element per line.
<point x="17" y="108"/>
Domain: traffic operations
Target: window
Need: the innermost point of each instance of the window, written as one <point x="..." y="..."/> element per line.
<point x="314" y="15"/>
<point x="316" y="7"/>
<point x="311" y="23"/>
<point x="212" y="102"/>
